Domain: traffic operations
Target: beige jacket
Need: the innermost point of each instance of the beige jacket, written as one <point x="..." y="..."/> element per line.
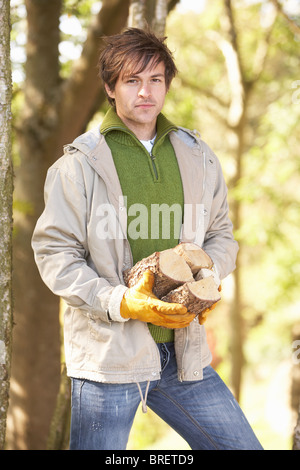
<point x="82" y="266"/>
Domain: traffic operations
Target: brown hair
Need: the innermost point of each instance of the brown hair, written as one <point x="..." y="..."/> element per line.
<point x="131" y="52"/>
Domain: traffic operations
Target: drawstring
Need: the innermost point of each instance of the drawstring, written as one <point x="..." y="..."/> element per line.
<point x="144" y="399"/>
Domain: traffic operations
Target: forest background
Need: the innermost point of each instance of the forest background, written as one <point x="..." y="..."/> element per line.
<point x="239" y="86"/>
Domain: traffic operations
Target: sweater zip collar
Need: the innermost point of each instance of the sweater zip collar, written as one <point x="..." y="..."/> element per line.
<point x="112" y="122"/>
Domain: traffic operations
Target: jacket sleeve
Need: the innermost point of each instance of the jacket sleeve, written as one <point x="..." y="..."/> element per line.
<point x="219" y="242"/>
<point x="60" y="249"/>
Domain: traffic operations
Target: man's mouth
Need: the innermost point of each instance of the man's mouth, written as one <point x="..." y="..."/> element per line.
<point x="145" y="105"/>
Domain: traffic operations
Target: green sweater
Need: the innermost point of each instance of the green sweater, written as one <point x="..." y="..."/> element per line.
<point x="153" y="188"/>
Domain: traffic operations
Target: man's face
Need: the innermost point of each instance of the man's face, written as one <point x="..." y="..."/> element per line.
<point x="139" y="98"/>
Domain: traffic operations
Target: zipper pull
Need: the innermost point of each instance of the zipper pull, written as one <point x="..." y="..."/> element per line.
<point x="153" y="164"/>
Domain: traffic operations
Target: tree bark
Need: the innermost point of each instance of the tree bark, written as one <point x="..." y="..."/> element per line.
<point x="6" y="193"/>
<point x="296" y="439"/>
<point x="196" y="296"/>
<point x="295" y="388"/>
<point x="152" y="13"/>
<point x="160" y="17"/>
<point x="137" y="14"/>
<point x="59" y="434"/>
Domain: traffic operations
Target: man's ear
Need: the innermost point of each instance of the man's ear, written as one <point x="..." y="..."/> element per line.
<point x="110" y="93"/>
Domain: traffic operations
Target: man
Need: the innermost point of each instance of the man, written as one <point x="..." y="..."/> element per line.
<point x="125" y="345"/>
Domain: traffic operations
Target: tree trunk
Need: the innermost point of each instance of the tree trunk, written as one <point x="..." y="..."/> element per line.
<point x="236" y="311"/>
<point x="58" y="438"/>
<point x="160" y="17"/>
<point x="137" y="14"/>
<point x="296" y="440"/>
<point x="59" y="433"/>
<point x="6" y="193"/>
<point x="295" y="389"/>
<point x="236" y="114"/>
<point x="150" y="12"/>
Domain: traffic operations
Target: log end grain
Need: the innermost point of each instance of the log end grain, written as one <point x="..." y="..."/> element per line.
<point x="194" y="256"/>
<point x="195" y="296"/>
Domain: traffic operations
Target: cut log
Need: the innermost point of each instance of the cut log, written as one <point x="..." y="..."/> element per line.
<point x="195" y="257"/>
<point x="169" y="268"/>
<point x="196" y="296"/>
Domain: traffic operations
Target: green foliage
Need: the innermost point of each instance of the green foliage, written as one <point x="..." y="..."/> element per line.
<point x="81" y="8"/>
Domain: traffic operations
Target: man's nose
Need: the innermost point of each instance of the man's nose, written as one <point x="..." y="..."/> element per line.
<point x="144" y="90"/>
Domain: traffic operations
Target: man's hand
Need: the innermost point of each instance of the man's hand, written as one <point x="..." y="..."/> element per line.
<point x="202" y="317"/>
<point x="139" y="303"/>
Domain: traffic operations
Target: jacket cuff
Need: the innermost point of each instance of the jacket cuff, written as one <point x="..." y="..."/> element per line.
<point x="115" y="302"/>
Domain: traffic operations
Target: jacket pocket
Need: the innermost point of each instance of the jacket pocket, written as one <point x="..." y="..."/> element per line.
<point x="99" y="331"/>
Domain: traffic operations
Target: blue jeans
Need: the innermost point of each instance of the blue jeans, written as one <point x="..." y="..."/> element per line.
<point x="204" y="413"/>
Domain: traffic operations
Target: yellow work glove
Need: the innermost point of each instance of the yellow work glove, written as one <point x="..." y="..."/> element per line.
<point x="202" y="317"/>
<point x="139" y="303"/>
